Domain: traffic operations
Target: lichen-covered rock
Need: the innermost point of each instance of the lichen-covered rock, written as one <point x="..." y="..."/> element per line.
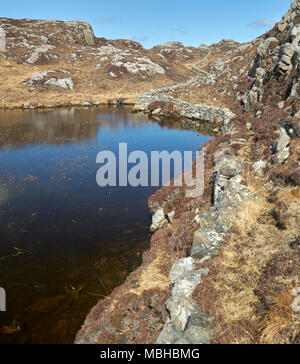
<point x="277" y="58"/>
<point x="186" y="324"/>
<point x="61" y="82"/>
<point x="282" y="146"/>
<point x="228" y="195"/>
<point x="181" y="267"/>
<point x="50" y="78"/>
<point x="185" y="285"/>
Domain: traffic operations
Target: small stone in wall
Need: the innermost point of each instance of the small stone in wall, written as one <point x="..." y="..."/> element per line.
<point x="181" y="267"/>
<point x="185" y="286"/>
<point x="186" y="324"/>
<point x="156" y="111"/>
<point x="282" y="146"/>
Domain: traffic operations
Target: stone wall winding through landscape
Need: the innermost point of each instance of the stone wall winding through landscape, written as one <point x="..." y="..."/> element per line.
<point x="185" y="109"/>
<point x="221" y="268"/>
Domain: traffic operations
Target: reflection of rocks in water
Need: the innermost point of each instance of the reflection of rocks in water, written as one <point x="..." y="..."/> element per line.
<point x="62" y="126"/>
<point x="55" y="127"/>
<point x="3" y="196"/>
<point x="205" y="128"/>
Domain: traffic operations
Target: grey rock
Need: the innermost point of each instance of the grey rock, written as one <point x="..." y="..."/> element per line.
<point x="229" y="194"/>
<point x="170" y="334"/>
<point x="295" y="33"/>
<point x="288" y="50"/>
<point x="283" y="155"/>
<point x="121" y="100"/>
<point x="185" y="286"/>
<point x="41" y="78"/>
<point x="280" y="105"/>
<point x="158" y="220"/>
<point x="264" y="45"/>
<point x="282" y="146"/>
<point x="251" y="99"/>
<point x="180" y="309"/>
<point x="66" y="83"/>
<point x="181" y="267"/>
<point x="186" y="324"/>
<point x="206" y="243"/>
<point x="88" y="35"/>
<point x="260" y="72"/>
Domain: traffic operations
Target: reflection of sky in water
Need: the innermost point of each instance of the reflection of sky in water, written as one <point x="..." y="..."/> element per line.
<point x="69" y="230"/>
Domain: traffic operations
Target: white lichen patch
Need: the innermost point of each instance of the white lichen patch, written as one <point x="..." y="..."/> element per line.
<point x="144" y="64"/>
<point x="52" y="78"/>
<point x="37" y="53"/>
<point x="108" y="50"/>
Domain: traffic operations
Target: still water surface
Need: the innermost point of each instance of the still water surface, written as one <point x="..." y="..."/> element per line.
<point x="65" y="242"/>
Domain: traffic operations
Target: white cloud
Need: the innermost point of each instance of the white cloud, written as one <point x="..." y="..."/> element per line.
<point x="137" y="39"/>
<point x="263" y="23"/>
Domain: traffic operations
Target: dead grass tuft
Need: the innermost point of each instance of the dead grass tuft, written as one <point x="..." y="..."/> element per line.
<point x="152" y="277"/>
<point x="252" y="243"/>
<point x="287" y="196"/>
<point x="282" y="324"/>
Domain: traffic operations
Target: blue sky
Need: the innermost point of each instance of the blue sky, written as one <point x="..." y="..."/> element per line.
<point x="157" y="21"/>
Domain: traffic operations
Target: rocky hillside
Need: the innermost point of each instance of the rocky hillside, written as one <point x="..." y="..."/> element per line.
<point x="223" y="268"/>
<point x="50" y="63"/>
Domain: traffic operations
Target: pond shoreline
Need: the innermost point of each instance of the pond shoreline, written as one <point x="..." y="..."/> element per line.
<point x="66" y="105"/>
<point x="66" y="241"/>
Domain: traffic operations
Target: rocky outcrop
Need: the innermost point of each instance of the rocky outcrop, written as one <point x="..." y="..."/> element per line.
<point x="102" y="70"/>
<point x="277" y="63"/>
<point x="68" y="32"/>
<point x="50" y="78"/>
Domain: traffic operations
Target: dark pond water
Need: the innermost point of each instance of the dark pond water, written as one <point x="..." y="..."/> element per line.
<point x="65" y="242"/>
